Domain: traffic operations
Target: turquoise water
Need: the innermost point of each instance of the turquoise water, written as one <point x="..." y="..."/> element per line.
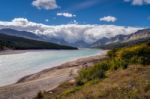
<point x="15" y="66"/>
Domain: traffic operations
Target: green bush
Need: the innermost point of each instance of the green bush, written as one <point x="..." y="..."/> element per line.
<point x="93" y="72"/>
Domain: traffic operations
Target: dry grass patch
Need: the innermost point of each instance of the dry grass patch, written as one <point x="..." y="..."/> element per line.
<point x="131" y="83"/>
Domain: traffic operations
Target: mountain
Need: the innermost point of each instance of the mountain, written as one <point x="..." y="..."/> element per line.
<point x="141" y="34"/>
<point x="16" y="33"/>
<point x="121" y="40"/>
<point x="13" y="42"/>
<point x="105" y="41"/>
<point x="41" y="37"/>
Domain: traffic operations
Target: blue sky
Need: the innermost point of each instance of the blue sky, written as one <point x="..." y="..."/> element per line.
<point x="126" y="12"/>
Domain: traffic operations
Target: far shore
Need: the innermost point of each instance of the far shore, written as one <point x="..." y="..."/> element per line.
<point x="48" y="79"/>
<point x="11" y="51"/>
<point x="7" y="52"/>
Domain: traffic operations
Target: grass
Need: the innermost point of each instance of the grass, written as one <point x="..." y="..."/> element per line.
<point x="130" y="83"/>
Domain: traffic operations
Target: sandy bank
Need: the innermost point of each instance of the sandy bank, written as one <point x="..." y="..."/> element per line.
<point x="48" y="79"/>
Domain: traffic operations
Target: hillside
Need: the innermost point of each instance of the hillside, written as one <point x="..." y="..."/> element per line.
<point x="20" y="43"/>
<point x="125" y="75"/>
<point x="25" y="34"/>
<point x="124" y="44"/>
<point x="41" y="37"/>
<point x="123" y="40"/>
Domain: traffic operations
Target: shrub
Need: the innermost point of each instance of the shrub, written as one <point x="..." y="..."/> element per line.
<point x="118" y="63"/>
<point x="90" y="73"/>
<point x="112" y="53"/>
<point x="40" y="95"/>
<point x="119" y="58"/>
<point x="147" y="87"/>
<point x="98" y="70"/>
<point x="139" y="54"/>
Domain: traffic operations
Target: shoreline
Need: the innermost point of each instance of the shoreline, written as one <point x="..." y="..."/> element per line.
<point x="79" y="62"/>
<point x="43" y="66"/>
<point x="48" y="79"/>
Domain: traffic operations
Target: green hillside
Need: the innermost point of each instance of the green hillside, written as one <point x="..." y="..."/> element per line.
<point x="125" y="75"/>
<point x="20" y="43"/>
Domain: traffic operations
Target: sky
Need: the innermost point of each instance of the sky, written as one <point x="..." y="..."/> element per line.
<point x="126" y="12"/>
<point x="73" y="18"/>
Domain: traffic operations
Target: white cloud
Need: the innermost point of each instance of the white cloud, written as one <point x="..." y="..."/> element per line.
<point x="71" y="32"/>
<point x="138" y="2"/>
<point x="66" y="14"/>
<point x="45" y="4"/>
<point x="108" y="19"/>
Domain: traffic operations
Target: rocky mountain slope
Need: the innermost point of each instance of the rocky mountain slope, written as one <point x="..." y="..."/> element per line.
<point x="136" y="37"/>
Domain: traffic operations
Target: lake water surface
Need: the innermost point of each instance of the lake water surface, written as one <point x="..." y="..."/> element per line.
<point x="15" y="66"/>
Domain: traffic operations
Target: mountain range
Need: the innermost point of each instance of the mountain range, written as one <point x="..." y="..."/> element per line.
<point x="101" y="43"/>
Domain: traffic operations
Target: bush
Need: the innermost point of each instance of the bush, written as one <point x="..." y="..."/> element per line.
<point x="112" y="53"/>
<point x="94" y="72"/>
<point x="118" y="63"/>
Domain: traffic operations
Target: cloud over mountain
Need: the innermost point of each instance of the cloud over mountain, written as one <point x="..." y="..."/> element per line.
<point x="71" y="32"/>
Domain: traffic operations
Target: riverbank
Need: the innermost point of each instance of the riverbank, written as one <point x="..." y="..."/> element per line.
<point x="48" y="79"/>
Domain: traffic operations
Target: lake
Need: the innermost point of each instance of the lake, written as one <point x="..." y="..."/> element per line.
<point x="22" y="63"/>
